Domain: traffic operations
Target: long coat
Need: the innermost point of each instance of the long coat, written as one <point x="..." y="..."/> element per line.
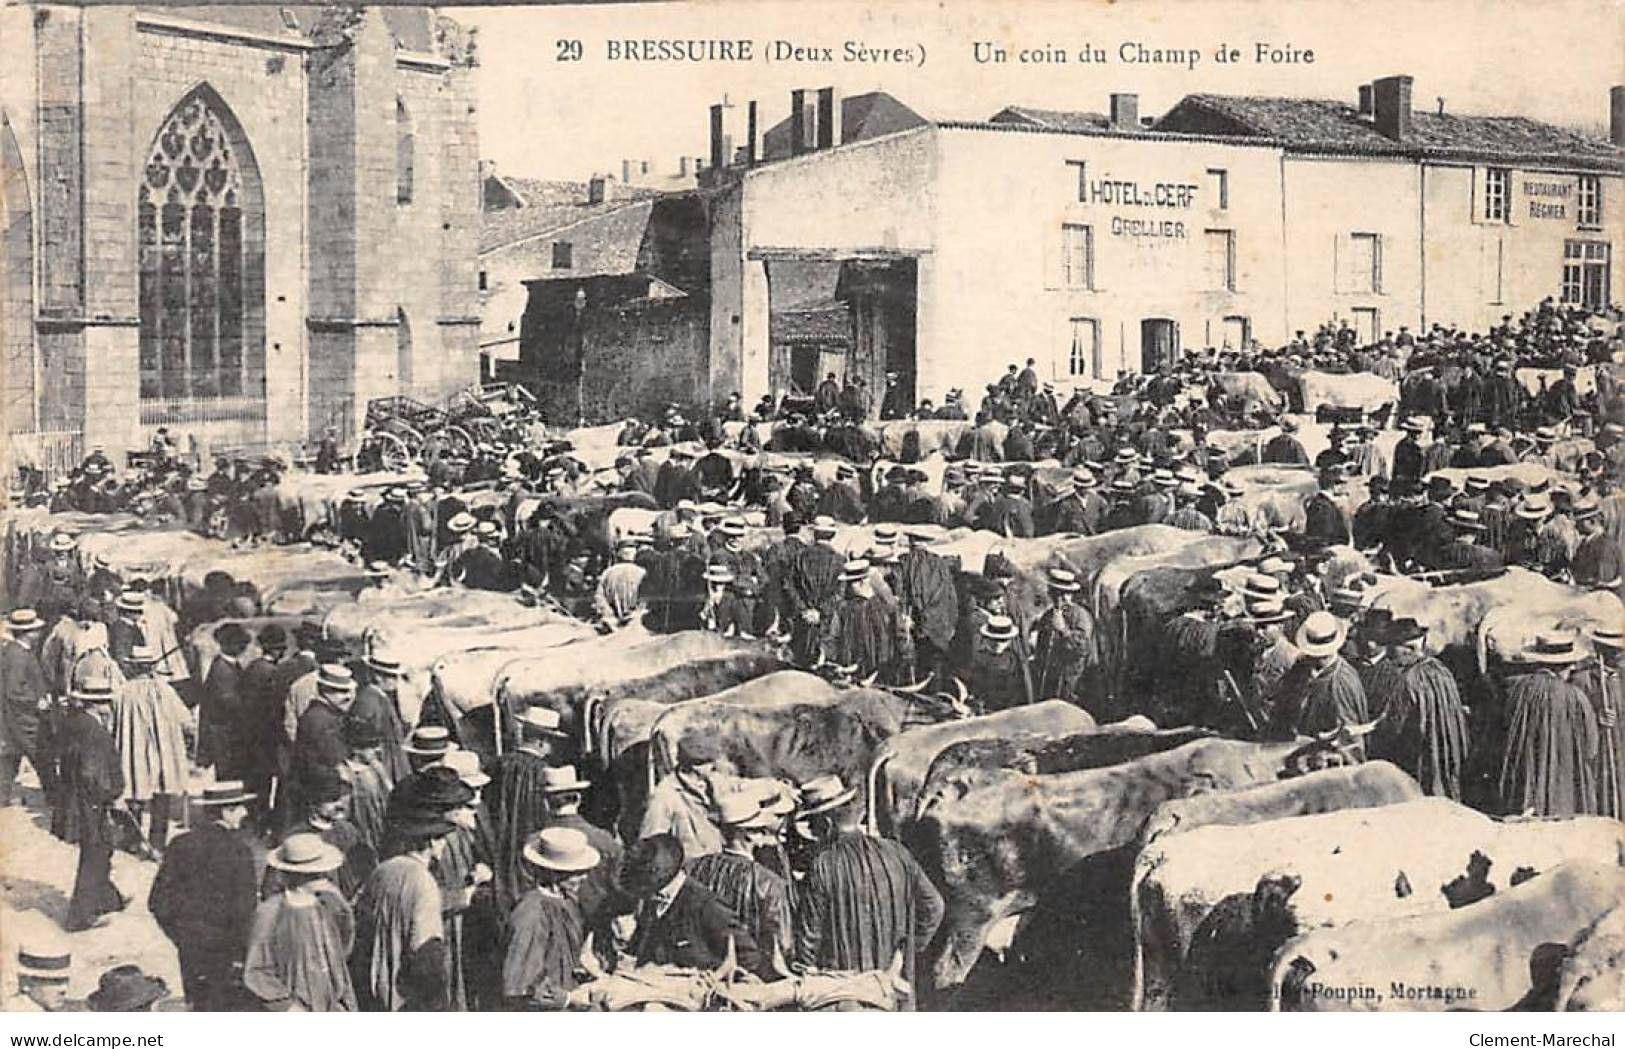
<point x="150" y="724"/>
<point x="88" y="764"/>
<point x="204" y="895"/>
<point x="221" y="739"/>
<point x="693" y="933"/>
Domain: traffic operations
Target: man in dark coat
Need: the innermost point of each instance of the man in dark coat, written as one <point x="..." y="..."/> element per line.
<point x="263" y="692"/>
<point x="758" y="897"/>
<point x="1066" y="654"/>
<point x="92" y="779"/>
<point x="1322" y="691"/>
<point x="999" y="675"/>
<point x="928" y="603"/>
<point x="813" y="590"/>
<point x="124" y="632"/>
<point x="1466" y="551"/>
<point x="863" y="898"/>
<point x="679" y="921"/>
<point x="1079" y="509"/>
<point x="1422" y="724"/>
<point x="600" y="894"/>
<point x="204" y="897"/>
<point x="1324" y="520"/>
<point x="1285" y="448"/>
<point x="23" y="702"/>
<point x="827" y="397"/>
<point x="384" y="538"/>
<point x="1010" y="514"/>
<point x="842" y="500"/>
<point x="1548" y="762"/>
<point x="1408" y="452"/>
<point x="865" y="627"/>
<point x="224" y="730"/>
<point x="319" y="747"/>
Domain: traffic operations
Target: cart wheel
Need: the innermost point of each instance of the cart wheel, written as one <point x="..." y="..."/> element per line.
<point x="392" y="452"/>
<point x="457" y="441"/>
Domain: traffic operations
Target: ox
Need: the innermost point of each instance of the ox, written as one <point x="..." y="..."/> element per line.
<point x="1200" y="912"/>
<point x="1593" y="975"/>
<point x="1370" y="393"/>
<point x="900" y="767"/>
<point x="1492" y="955"/>
<point x="997" y="849"/>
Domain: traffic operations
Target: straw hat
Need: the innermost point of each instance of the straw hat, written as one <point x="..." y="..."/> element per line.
<point x="1065" y="580"/>
<point x="44" y="959"/>
<point x="1259" y="585"/>
<point x="460" y="522"/>
<point x="743" y="809"/>
<point x="132" y="602"/>
<point x="718" y="574"/>
<point x="562" y="849"/>
<point x="305" y="854"/>
<point x="823" y="794"/>
<point x="541" y="721"/>
<point x="429" y="741"/>
<point x="62" y="543"/>
<point x="23" y="620"/>
<point x="999" y="628"/>
<point x="224" y="792"/>
<point x="94" y="690"/>
<point x="1321" y="634"/>
<point x="1268" y="610"/>
<point x="1608" y="636"/>
<point x="855" y="570"/>
<point x="563" y="779"/>
<point x="1554" y="647"/>
<point x="335" y="679"/>
<point x="823" y="527"/>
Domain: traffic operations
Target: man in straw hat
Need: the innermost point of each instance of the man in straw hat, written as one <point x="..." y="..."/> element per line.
<point x="679" y="921"/>
<point x="124" y="632"/>
<point x="927" y="603"/>
<point x="300" y="939"/>
<point x="378" y="700"/>
<point x="999" y="676"/>
<point x="1067" y="654"/>
<point x="1322" y="692"/>
<point x="1597" y="556"/>
<point x="91" y="782"/>
<point x="24" y="702"/>
<point x="401" y="959"/>
<point x="1422" y="724"/>
<point x="519" y="799"/>
<point x="1467" y="550"/>
<point x="863" y="898"/>
<point x="758" y="897"/>
<point x="865" y="627"/>
<point x="44" y="966"/>
<point x="1547" y="762"/>
<point x="151" y="725"/>
<point x="204" y="896"/>
<point x="1604" y="685"/>
<point x="564" y="790"/>
<point x="548" y="927"/>
<point x="318" y="746"/>
<point x="327" y="816"/>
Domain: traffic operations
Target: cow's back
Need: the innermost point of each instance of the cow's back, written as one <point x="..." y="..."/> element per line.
<point x="1593" y="975"/>
<point x="1476" y="958"/>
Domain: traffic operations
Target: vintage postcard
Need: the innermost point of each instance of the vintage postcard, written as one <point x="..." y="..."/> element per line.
<point x="1047" y="505"/>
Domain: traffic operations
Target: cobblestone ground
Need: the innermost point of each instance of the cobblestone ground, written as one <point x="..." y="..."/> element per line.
<point x="36" y="879"/>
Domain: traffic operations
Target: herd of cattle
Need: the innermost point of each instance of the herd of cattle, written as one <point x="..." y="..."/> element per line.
<point x="1083" y="865"/>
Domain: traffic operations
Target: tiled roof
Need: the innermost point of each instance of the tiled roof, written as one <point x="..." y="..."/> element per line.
<point x="551" y="206"/>
<point x="862" y="117"/>
<point x="1058" y="119"/>
<point x="1324" y="124"/>
<point x="606" y="243"/>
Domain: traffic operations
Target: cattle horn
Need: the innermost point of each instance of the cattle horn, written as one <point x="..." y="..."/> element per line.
<point x="870" y="680"/>
<point x="730" y="963"/>
<point x="777" y="961"/>
<point x="914" y="689"/>
<point x="589" y="960"/>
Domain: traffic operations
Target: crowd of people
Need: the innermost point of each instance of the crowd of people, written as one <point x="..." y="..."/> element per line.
<point x="339" y="859"/>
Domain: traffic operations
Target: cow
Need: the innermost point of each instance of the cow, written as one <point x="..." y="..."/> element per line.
<point x="1363" y="390"/>
<point x="1455" y="613"/>
<point x="962" y="767"/>
<point x="1501" y="953"/>
<point x="899" y="768"/>
<point x="307" y="500"/>
<point x="790" y="733"/>
<point x="1248" y="391"/>
<point x="1593" y="974"/>
<point x="997" y="849"/>
<point x="1359" y="865"/>
<point x="933" y="436"/>
<point x="660" y="988"/>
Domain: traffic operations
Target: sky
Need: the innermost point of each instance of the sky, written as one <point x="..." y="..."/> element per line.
<point x="546" y="118"/>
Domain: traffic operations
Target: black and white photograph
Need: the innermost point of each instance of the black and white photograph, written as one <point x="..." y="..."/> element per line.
<point x="736" y="507"/>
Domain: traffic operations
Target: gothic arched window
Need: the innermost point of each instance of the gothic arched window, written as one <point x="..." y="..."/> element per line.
<point x="201" y="218"/>
<point x="403" y="153"/>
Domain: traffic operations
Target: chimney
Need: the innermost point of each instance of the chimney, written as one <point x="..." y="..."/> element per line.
<point x="1616" y="115"/>
<point x="798" y="122"/>
<point x="829" y="118"/>
<point x="717" y="158"/>
<point x="753" y="146"/>
<point x="1126" y="112"/>
<point x="682" y="167"/>
<point x="595" y="190"/>
<point x="1391" y="106"/>
<point x="1365" y="100"/>
<point x="626" y="172"/>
